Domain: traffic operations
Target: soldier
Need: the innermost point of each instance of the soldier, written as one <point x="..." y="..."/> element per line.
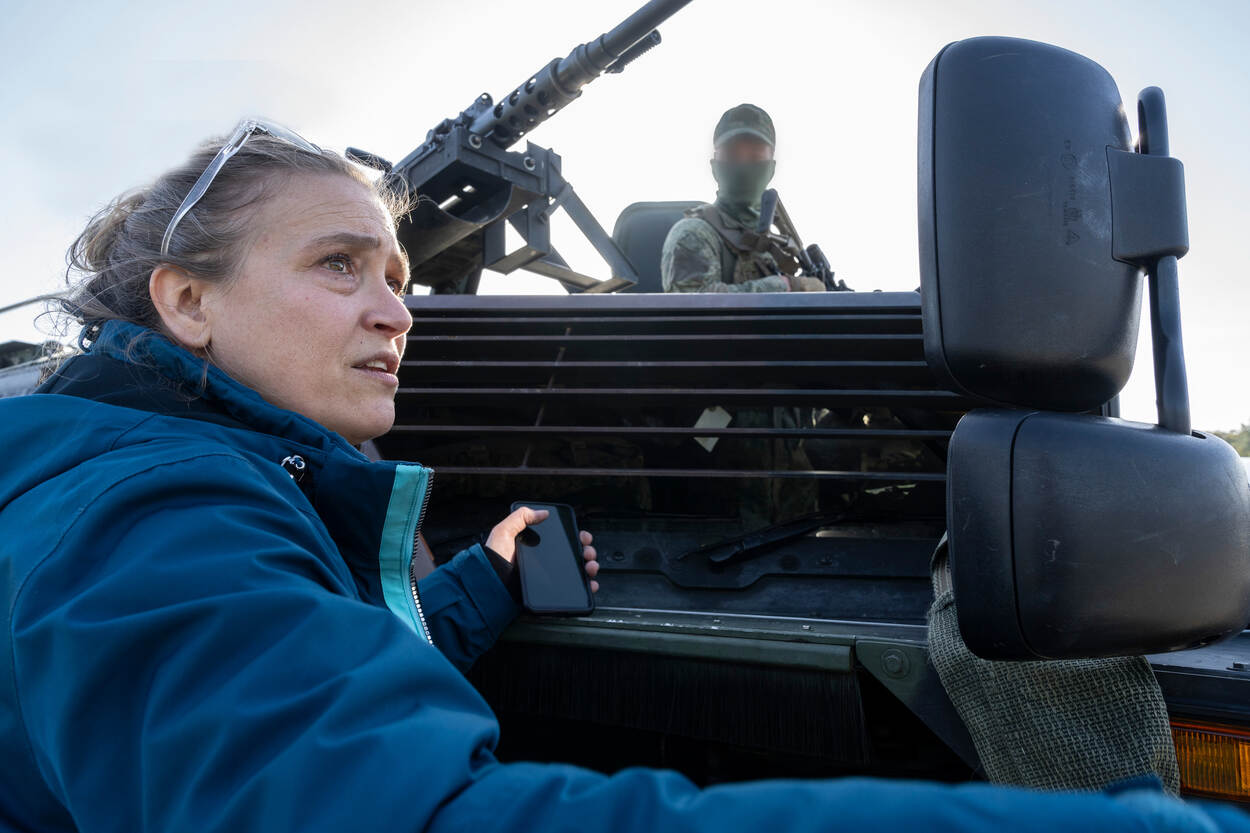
<point x="714" y="248"/>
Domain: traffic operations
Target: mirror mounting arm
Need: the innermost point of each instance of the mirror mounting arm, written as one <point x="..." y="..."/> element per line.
<point x="1150" y="230"/>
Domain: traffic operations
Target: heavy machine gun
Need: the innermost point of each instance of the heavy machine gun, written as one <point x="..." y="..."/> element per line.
<point x="468" y="184"/>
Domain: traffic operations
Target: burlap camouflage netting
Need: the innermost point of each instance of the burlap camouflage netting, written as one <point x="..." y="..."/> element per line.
<point x="1054" y="725"/>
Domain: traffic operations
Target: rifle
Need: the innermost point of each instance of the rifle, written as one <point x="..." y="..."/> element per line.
<point x="469" y="184"/>
<point x="811" y="260"/>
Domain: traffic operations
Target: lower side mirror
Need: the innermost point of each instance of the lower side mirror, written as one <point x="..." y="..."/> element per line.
<point x="1081" y="536"/>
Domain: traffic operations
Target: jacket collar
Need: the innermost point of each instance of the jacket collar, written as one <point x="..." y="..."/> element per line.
<point x="372" y="509"/>
<point x="162" y="372"/>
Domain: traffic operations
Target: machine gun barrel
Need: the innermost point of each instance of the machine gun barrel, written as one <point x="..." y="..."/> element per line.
<point x="638" y="25"/>
<point x="560" y="81"/>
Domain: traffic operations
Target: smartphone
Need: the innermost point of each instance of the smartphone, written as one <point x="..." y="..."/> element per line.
<point x="549" y="556"/>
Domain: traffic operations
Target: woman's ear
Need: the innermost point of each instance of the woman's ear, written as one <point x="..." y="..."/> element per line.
<point x="178" y="299"/>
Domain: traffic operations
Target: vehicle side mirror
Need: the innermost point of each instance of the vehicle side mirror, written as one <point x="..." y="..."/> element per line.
<point x="1070" y="535"/>
<point x="1024" y="300"/>
<point x="1081" y="536"/>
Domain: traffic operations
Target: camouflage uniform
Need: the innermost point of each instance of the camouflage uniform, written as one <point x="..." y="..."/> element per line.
<point x="696" y="258"/>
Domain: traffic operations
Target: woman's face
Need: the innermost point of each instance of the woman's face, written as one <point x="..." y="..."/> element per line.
<point x="314" y="320"/>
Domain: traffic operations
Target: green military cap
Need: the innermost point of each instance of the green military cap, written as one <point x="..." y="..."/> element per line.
<point x="745" y="120"/>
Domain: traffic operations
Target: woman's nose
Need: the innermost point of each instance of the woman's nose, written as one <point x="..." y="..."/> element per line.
<point x="390" y="313"/>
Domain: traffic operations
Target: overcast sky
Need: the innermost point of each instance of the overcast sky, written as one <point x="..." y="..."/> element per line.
<point x="102" y="96"/>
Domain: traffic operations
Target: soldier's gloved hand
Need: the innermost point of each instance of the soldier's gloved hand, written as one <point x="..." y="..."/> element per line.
<point x="801" y="284"/>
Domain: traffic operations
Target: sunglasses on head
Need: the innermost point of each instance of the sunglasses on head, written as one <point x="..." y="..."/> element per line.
<point x="241" y="134"/>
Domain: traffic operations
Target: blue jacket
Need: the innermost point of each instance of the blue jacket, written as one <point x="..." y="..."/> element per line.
<point x="196" y="641"/>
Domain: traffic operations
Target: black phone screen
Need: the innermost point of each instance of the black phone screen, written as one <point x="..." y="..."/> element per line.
<point x="549" y="558"/>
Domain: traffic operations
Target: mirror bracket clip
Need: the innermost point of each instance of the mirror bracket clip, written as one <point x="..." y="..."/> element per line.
<point x="1148" y="217"/>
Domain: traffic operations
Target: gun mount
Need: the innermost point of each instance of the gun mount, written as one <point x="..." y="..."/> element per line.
<point x="469" y="184"/>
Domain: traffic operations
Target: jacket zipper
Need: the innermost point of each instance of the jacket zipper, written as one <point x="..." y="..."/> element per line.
<point x="412" y="564"/>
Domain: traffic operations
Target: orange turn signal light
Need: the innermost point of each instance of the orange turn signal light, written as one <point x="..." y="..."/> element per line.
<point x="1214" y="759"/>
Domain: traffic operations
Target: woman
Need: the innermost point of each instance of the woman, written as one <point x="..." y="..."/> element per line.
<point x="212" y="619"/>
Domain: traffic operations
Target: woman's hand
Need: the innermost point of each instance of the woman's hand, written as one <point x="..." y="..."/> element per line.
<point x="502" y="539"/>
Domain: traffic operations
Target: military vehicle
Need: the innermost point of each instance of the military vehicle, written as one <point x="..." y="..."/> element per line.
<point x="759" y="617"/>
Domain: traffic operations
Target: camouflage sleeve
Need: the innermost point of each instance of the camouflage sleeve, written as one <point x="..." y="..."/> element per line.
<point x="690" y="262"/>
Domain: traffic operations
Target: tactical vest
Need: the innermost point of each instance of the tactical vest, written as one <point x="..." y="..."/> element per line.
<point x="755" y="255"/>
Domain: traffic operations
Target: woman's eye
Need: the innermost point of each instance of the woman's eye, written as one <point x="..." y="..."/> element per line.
<point x="397" y="286"/>
<point x="338" y="263"/>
